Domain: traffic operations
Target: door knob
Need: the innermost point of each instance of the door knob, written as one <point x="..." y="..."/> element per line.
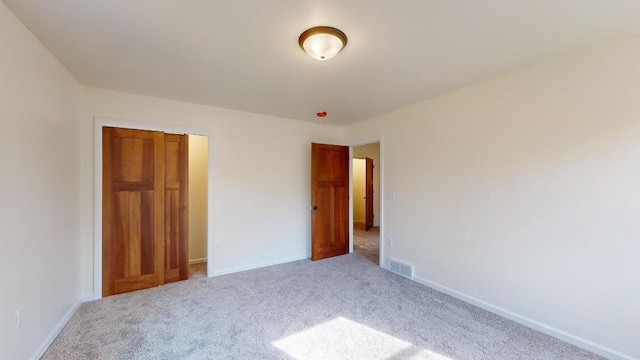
<point x="315" y="207"/>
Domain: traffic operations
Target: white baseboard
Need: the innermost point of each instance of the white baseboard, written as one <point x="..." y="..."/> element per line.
<point x="56" y="330"/>
<point x="257" y="266"/>
<point x="198" y="261"/>
<point x="543" y="328"/>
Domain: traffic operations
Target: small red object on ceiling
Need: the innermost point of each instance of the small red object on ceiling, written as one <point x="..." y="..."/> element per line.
<point x="321" y="114"/>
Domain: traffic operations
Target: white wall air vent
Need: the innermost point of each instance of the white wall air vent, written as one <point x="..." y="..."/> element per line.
<point x="402" y="269"/>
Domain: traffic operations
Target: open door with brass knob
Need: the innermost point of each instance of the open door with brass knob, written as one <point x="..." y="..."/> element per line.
<point x="329" y="201"/>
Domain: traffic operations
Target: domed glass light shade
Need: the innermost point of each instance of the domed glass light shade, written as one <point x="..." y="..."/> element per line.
<point x="322" y="42"/>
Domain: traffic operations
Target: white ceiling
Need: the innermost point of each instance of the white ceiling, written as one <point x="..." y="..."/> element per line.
<point x="244" y="54"/>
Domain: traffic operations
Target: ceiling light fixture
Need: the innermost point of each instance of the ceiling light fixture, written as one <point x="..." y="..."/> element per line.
<point x="322" y="42"/>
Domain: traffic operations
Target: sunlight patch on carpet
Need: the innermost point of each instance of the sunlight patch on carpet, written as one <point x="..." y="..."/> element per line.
<point x="342" y="338"/>
<point x="428" y="355"/>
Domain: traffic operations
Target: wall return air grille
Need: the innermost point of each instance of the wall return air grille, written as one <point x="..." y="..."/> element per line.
<point x="402" y="269"/>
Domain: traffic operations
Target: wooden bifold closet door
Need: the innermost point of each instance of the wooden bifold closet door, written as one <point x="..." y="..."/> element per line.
<point x="144" y="209"/>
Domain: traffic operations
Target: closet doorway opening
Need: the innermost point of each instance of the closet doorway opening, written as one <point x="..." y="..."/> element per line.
<point x="198" y="180"/>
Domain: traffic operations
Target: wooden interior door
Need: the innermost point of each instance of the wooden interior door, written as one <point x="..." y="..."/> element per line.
<point x="144" y="209"/>
<point x="176" y="235"/>
<point x="368" y="223"/>
<point x="329" y="201"/>
<point x="133" y="210"/>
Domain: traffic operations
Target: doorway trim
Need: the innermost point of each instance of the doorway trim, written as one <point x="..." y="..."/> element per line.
<point x="382" y="197"/>
<point x="99" y="123"/>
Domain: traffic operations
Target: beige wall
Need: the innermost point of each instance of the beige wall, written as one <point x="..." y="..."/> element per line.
<point x="39" y="153"/>
<point x="260" y="163"/>
<point x="372" y="151"/>
<point x="521" y="193"/>
<point x="198" y="157"/>
<point x="359" y="178"/>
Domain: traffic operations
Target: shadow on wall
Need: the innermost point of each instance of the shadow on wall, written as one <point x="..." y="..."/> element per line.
<point x="359" y="166"/>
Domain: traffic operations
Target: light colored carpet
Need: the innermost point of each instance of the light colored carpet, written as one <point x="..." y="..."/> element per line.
<point x="367" y="243"/>
<point x="340" y="308"/>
